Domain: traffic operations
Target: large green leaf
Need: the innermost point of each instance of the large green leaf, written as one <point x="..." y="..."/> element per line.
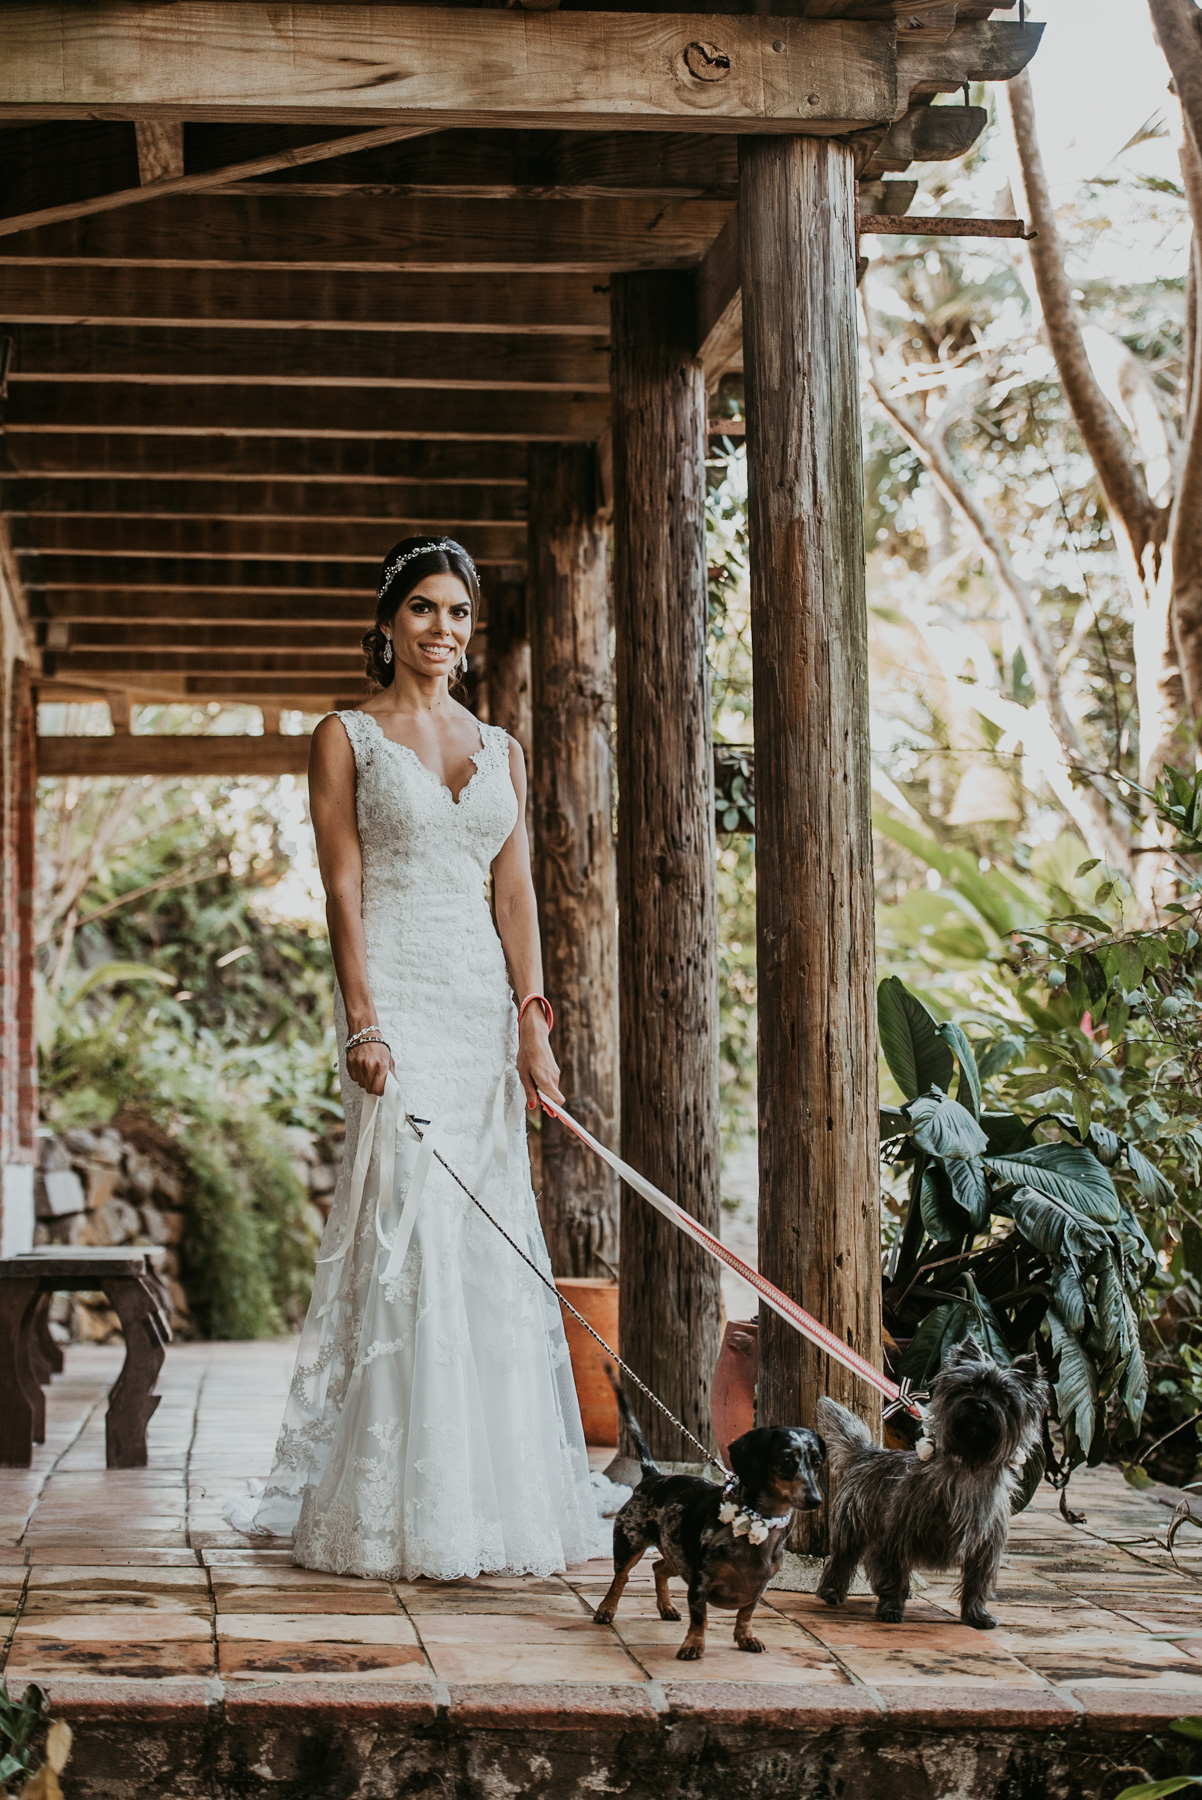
<point x="1159" y="1790"/>
<point x="969" y="1091"/>
<point x="1069" y="1296"/>
<point x="924" y="1353"/>
<point x="944" y="1128"/>
<point x="1066" y="1172"/>
<point x="1005" y="1131"/>
<point x="1076" y="1382"/>
<point x="894" y="1123"/>
<point x="967" y="1177"/>
<point x="917" y="1056"/>
<point x="1148" y="1179"/>
<point x="987" y="1330"/>
<point x="998" y="1056"/>
<point x="941" y="1216"/>
<point x="1058" y="1231"/>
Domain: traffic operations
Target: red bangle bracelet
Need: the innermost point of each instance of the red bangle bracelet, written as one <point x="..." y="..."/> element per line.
<point x="543" y="1002"/>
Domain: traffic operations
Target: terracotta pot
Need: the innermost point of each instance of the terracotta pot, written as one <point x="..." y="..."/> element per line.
<point x="732" y="1391"/>
<point x="597" y="1301"/>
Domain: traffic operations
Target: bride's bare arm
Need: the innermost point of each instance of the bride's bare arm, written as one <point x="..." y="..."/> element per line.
<point x="340" y="859"/>
<point x="517" y="922"/>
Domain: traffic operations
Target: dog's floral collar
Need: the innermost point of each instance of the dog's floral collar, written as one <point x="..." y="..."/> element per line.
<point x="744" y="1521"/>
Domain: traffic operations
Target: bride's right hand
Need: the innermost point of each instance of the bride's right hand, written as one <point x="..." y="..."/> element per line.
<point x="368" y="1065"/>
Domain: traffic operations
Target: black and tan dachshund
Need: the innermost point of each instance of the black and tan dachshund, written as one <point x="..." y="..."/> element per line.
<point x="726" y="1543"/>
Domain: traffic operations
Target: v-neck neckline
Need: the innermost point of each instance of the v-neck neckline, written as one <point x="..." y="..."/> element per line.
<point x="474" y="758"/>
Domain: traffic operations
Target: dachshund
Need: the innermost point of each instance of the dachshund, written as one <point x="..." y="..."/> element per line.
<point x="726" y="1543"/>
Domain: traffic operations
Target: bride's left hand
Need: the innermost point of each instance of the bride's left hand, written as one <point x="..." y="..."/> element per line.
<point x="536" y="1065"/>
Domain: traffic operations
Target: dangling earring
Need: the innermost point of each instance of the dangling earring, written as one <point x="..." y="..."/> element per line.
<point x="387" y="655"/>
<point x="461" y="668"/>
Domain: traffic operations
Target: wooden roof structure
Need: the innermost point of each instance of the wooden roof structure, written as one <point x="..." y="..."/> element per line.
<point x="272" y="298"/>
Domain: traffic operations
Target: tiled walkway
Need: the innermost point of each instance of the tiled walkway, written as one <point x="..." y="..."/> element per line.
<point x="117" y="1583"/>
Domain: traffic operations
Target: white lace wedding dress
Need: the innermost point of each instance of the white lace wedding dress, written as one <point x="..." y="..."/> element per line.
<point x="432" y="1426"/>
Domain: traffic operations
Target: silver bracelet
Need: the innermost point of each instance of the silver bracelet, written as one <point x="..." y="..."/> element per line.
<point x="370" y="1035"/>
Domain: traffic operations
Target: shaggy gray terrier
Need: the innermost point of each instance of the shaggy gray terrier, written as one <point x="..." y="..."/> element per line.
<point x="947" y="1503"/>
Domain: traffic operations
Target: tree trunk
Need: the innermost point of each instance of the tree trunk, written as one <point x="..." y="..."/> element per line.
<point x="667" y="865"/>
<point x="575" y="865"/>
<point x="819" y="1222"/>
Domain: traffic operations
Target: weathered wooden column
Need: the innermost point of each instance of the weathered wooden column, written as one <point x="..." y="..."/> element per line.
<point x="575" y="872"/>
<point x="508" y="662"/>
<point x="667" y="905"/>
<point x="819" y="1196"/>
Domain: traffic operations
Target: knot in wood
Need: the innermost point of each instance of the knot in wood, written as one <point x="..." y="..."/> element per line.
<point x="706" y="62"/>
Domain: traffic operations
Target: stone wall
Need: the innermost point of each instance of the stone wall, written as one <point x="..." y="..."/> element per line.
<point x="128" y="1184"/>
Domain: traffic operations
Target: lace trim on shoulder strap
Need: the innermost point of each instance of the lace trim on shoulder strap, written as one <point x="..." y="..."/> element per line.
<point x="362" y="733"/>
<point x="494" y="748"/>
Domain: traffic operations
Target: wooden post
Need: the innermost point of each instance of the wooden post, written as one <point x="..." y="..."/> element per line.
<point x="508" y="663"/>
<point x="574" y="856"/>
<point x="819" y="1224"/>
<point x="667" y="903"/>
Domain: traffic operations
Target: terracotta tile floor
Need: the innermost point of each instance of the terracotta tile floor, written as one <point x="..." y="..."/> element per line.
<point x="108" y="1576"/>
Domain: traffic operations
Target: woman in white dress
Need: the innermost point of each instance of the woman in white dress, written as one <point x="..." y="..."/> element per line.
<point x="432" y="1426"/>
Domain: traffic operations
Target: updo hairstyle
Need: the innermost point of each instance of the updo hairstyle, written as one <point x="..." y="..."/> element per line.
<point x="404" y="568"/>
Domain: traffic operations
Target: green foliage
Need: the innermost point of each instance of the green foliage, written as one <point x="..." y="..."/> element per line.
<point x="1022" y="1238"/>
<point x="189" y="1006"/>
<point x="19" y="1720"/>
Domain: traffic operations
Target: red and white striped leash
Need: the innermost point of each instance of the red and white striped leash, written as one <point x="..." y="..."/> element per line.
<point x="787" y="1309"/>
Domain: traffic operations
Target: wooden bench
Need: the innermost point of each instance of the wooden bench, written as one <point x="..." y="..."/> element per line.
<point x="129" y="1279"/>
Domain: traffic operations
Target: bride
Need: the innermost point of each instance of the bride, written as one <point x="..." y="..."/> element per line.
<point x="432" y="1426"/>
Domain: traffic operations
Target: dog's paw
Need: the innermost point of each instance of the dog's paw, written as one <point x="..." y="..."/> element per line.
<point x="891" y="1612"/>
<point x="979" y="1619"/>
<point x="689" y="1652"/>
<point x="670" y="1613"/>
<point x="750" y="1643"/>
<point x="604" y="1615"/>
<point x="832" y="1596"/>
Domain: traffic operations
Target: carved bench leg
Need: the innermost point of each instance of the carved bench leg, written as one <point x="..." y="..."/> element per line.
<point x="45" y="1356"/>
<point x="22" y="1407"/>
<point x="133" y="1400"/>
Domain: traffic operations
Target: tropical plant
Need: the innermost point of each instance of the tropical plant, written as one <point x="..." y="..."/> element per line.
<point x="20" y="1720"/>
<point x="1171" y="1784"/>
<point x="1018" y="1236"/>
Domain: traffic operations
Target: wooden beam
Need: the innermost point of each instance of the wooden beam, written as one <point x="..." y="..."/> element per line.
<point x="552" y="165"/>
<point x="443" y="67"/>
<point x="359" y="232"/>
<point x="203" y="606"/>
<point x="507" y="672"/>
<point x="720" y="305"/>
<point x="161" y="168"/>
<point x="332" y="502"/>
<point x="255" y="460"/>
<point x="667" y="865"/>
<point x="170" y="576"/>
<point x="249" y="539"/>
<point x="819" y="1215"/>
<point x="174" y="356"/>
<point x="340" y="665"/>
<point x="358" y="301"/>
<point x="120" y="713"/>
<point x="992" y="50"/>
<point x="927" y="134"/>
<point x="514" y="417"/>
<point x="170" y="634"/>
<point x="575" y="871"/>
<point x="156" y="754"/>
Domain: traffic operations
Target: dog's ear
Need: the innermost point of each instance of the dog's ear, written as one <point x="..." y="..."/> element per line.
<point x="967" y="1350"/>
<point x="749" y="1460"/>
<point x="1029" y="1373"/>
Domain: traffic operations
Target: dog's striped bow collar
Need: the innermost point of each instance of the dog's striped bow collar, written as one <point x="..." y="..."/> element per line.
<point x="744" y="1521"/>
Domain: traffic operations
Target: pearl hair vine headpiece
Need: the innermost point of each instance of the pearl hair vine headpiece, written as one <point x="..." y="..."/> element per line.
<point x="395" y="568"/>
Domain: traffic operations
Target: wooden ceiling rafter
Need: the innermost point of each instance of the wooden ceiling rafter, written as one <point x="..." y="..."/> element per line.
<point x="231" y="387"/>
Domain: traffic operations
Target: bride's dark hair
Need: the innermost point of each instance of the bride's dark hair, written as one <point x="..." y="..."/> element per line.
<point x="407" y="564"/>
